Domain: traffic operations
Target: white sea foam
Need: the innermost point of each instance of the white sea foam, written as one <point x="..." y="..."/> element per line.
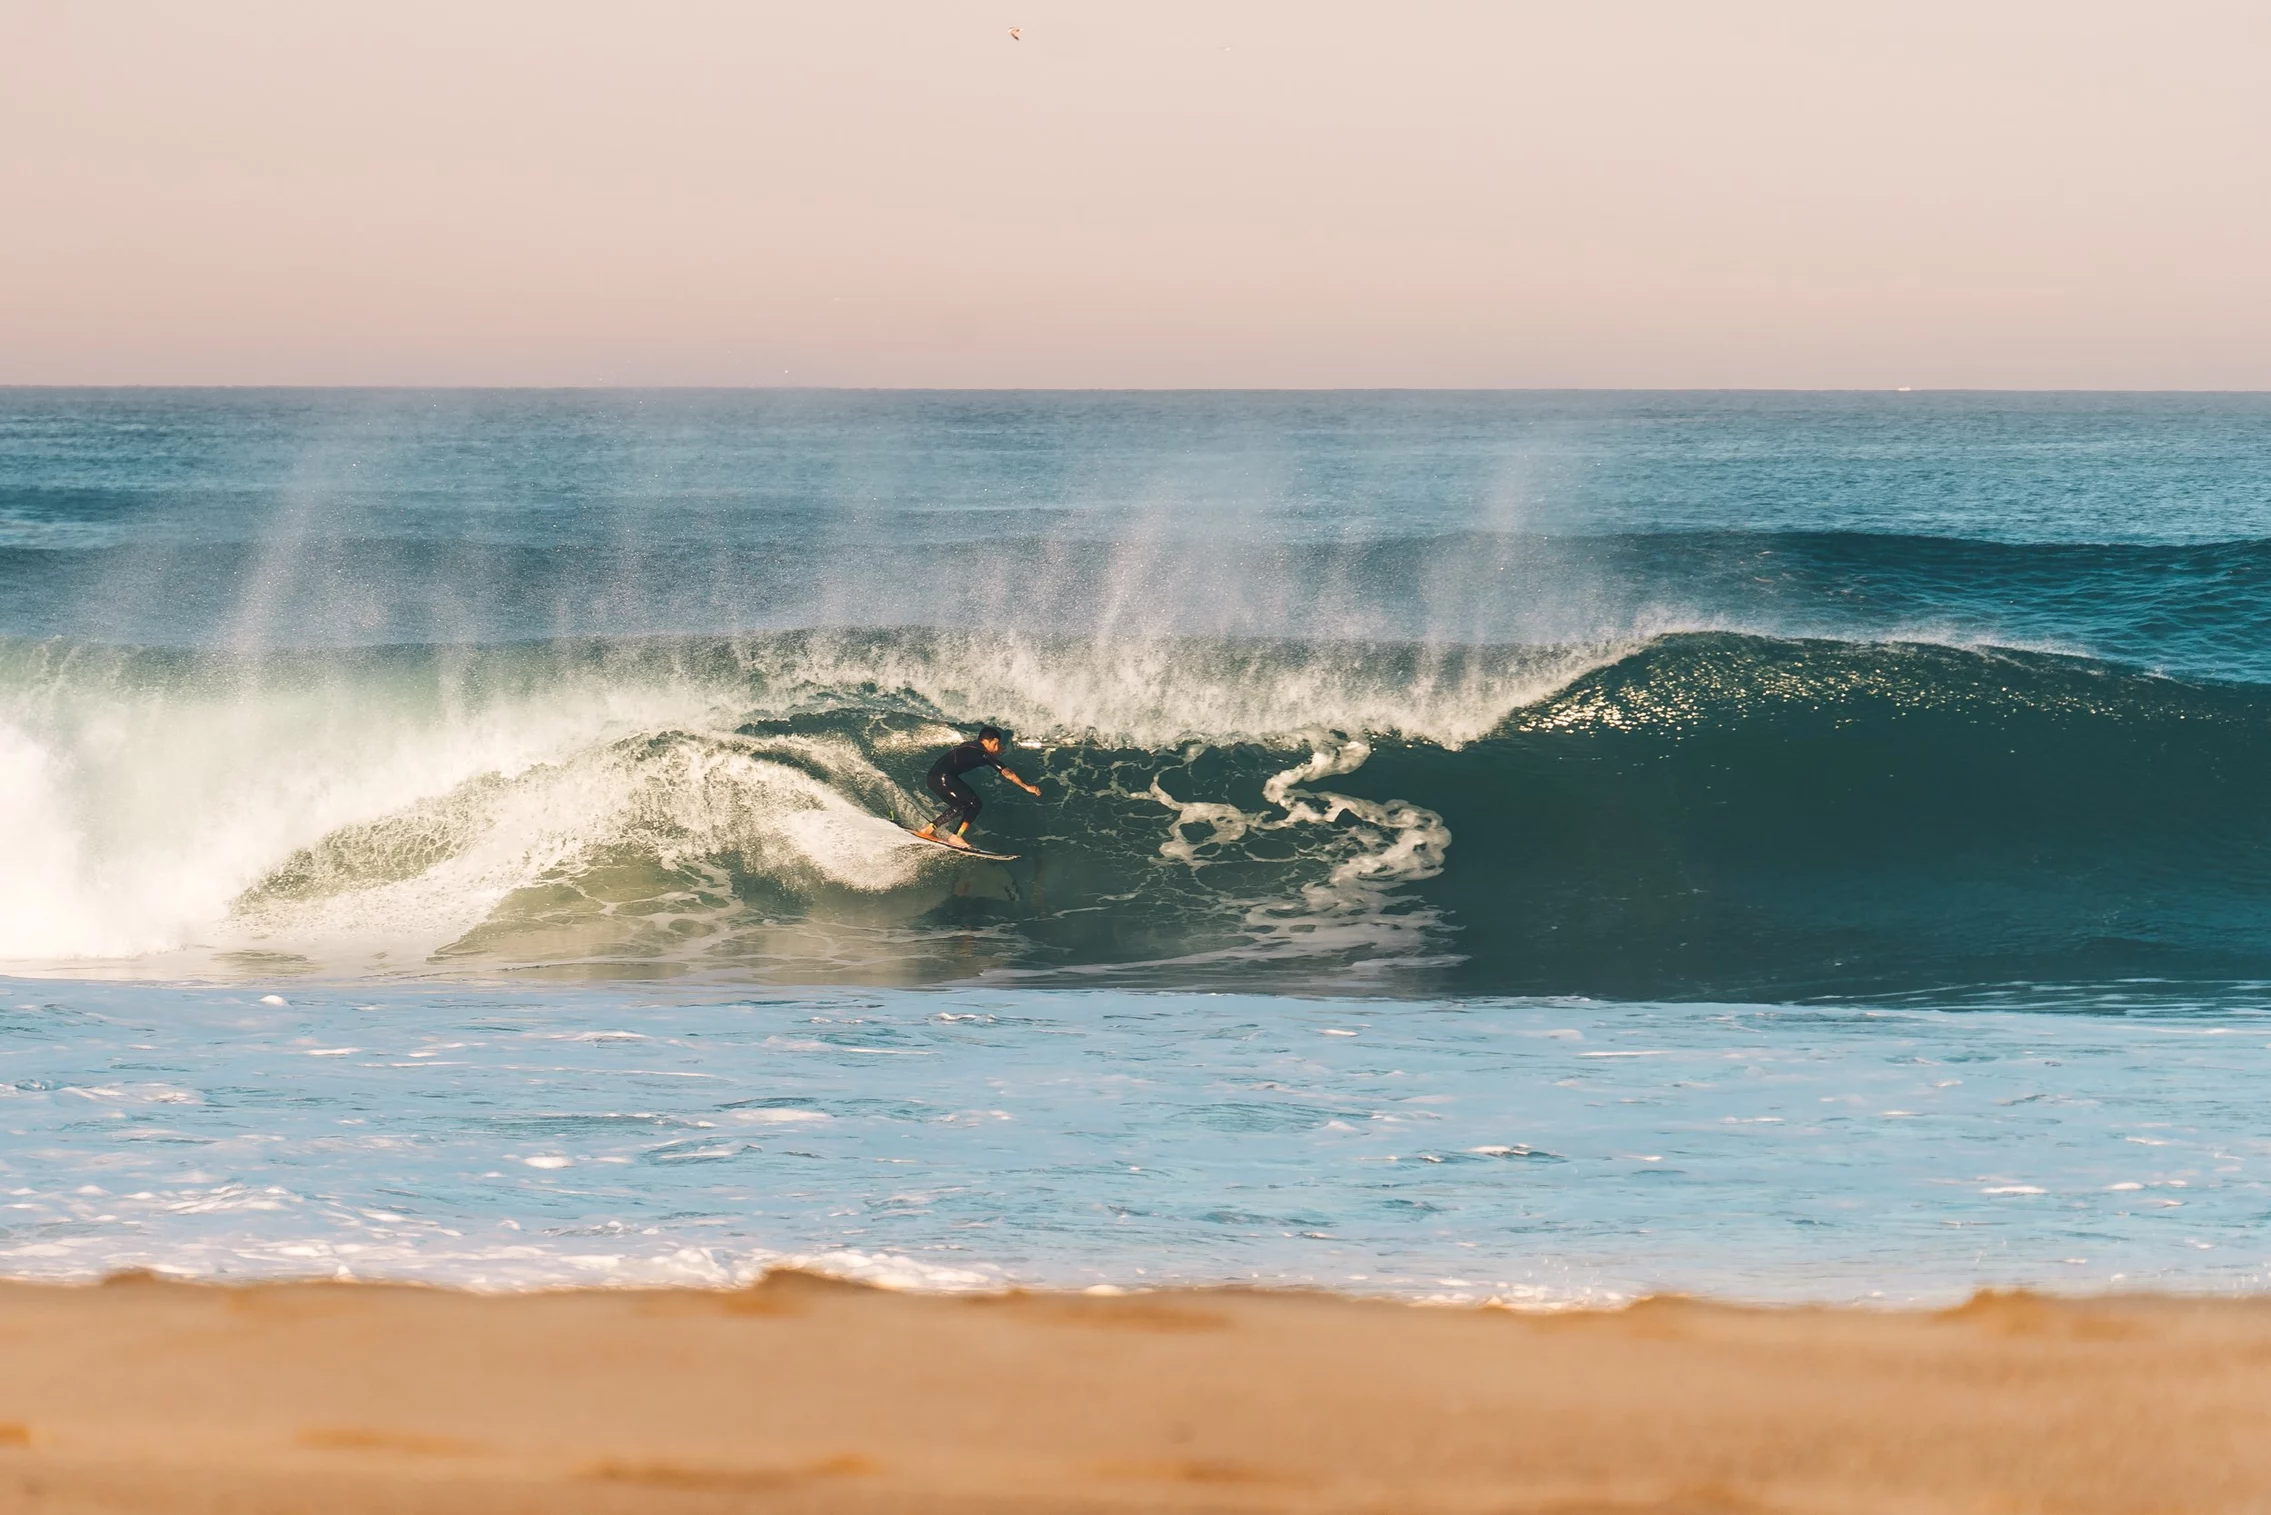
<point x="1355" y="909"/>
<point x="139" y="808"/>
<point x="377" y="806"/>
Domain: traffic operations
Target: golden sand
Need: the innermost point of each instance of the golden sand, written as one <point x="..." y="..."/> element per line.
<point x="803" y="1395"/>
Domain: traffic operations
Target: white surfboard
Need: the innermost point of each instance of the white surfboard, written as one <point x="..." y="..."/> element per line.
<point x="964" y="850"/>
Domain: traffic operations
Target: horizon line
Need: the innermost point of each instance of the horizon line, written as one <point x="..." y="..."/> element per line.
<point x="1144" y="389"/>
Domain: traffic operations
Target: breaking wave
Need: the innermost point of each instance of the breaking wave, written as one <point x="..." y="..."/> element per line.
<point x="1699" y="813"/>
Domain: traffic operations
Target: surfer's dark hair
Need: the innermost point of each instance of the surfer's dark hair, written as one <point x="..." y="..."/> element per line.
<point x="991" y="733"/>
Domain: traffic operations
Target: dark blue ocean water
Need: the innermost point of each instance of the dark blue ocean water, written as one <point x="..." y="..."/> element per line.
<point x="1749" y="726"/>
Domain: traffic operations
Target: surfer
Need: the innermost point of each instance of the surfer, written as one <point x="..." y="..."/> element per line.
<point x="961" y="801"/>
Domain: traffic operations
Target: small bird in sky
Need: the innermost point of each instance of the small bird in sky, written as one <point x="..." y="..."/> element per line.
<point x="1014" y="36"/>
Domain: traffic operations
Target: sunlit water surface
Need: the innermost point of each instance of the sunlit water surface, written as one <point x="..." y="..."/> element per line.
<point x="1534" y="1152"/>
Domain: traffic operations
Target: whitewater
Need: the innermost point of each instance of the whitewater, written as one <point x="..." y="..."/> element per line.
<point x="1544" y="847"/>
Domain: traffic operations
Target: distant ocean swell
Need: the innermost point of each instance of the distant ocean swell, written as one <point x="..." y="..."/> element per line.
<point x="1699" y="814"/>
<point x="2197" y="609"/>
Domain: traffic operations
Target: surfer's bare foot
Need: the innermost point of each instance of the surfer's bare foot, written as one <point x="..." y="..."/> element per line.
<point x="928" y="834"/>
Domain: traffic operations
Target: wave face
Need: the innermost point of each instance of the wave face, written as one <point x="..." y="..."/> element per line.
<point x="1695" y="814"/>
<point x="1739" y="816"/>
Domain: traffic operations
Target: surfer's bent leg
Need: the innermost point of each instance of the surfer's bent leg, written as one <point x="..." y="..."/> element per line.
<point x="960" y="799"/>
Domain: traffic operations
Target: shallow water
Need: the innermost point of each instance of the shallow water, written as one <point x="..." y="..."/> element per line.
<point x="1544" y="847"/>
<point x="1535" y="1152"/>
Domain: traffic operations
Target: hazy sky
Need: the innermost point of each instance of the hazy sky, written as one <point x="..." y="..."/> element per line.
<point x="2040" y="193"/>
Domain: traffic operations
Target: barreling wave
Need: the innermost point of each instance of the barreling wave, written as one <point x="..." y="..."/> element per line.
<point x="1701" y="813"/>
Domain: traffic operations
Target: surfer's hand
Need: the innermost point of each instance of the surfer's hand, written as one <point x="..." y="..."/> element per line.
<point x="1032" y="789"/>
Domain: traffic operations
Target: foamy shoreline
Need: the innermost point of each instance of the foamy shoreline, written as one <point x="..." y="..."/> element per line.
<point x="1539" y="1151"/>
<point x="809" y="1394"/>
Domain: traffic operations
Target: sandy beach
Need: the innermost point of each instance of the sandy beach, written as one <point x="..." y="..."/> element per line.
<point x="803" y="1394"/>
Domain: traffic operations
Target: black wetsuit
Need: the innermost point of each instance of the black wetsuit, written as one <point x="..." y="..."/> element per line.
<point x="945" y="781"/>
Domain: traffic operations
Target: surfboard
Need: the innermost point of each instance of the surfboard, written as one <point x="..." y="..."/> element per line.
<point x="991" y="857"/>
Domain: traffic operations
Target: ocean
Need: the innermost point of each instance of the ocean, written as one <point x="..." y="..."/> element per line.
<point x="1536" y="847"/>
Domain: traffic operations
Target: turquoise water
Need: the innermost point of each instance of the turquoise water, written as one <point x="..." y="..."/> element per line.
<point x="1522" y="846"/>
<point x="1534" y="1152"/>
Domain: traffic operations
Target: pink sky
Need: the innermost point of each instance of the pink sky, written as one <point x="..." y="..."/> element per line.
<point x="2030" y="193"/>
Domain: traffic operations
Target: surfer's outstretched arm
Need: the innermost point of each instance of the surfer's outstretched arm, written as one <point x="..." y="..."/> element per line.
<point x="1032" y="789"/>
